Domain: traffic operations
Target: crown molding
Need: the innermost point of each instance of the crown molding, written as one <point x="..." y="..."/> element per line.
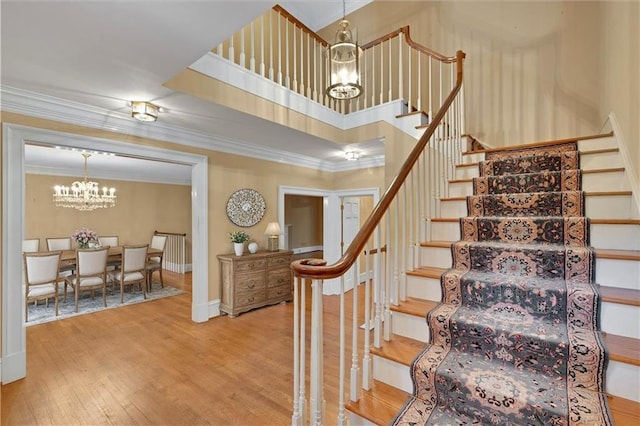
<point x="51" y="108"/>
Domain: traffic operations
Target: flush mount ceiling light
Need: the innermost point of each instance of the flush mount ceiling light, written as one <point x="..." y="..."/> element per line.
<point x="352" y="155"/>
<point x="344" y="64"/>
<point x="144" y="111"/>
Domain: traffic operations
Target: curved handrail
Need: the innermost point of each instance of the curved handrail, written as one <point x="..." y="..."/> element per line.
<point x="410" y="42"/>
<point x="305" y="269"/>
<point x="300" y="25"/>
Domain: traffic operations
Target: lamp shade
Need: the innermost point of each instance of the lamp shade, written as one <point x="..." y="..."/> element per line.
<point x="273" y="228"/>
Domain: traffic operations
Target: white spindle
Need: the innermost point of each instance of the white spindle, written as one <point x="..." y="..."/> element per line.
<point x="367" y="367"/>
<point x="303" y="349"/>
<point x="262" y="36"/>
<point x="294" y="86"/>
<point x="386" y="297"/>
<point x="378" y="289"/>
<point x="315" y="71"/>
<point x="243" y="63"/>
<point x="252" y="59"/>
<point x="355" y="369"/>
<point x="287" y="70"/>
<point x="309" y="66"/>
<point x="279" y="50"/>
<point x="402" y="294"/>
<point x="390" y="74"/>
<point x="410" y="77"/>
<point x="232" y="54"/>
<point x="430" y="90"/>
<point x="382" y="73"/>
<point x="419" y="77"/>
<point x="401" y="74"/>
<point x="296" y="417"/>
<point x="316" y="355"/>
<point x="271" y="74"/>
<point x="342" y="417"/>
<point x="373" y="76"/>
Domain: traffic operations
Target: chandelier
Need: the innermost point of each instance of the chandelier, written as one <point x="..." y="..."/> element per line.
<point x="344" y="64"/>
<point x="84" y="195"/>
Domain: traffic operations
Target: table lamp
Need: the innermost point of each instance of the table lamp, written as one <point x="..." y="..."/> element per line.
<point x="272" y="232"/>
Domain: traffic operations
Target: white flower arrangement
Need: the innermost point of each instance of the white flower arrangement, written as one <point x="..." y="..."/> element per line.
<point x="84" y="236"/>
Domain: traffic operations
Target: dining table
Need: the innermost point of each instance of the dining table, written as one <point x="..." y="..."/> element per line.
<point x="68" y="257"/>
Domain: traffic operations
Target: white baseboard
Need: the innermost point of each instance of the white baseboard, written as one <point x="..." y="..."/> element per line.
<point x="214" y="308"/>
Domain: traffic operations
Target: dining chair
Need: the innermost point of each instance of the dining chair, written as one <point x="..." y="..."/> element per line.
<point x="91" y="273"/>
<point x="31" y="245"/>
<point x="63" y="243"/>
<point x="112" y="241"/>
<point x="154" y="263"/>
<point x="133" y="269"/>
<point x="41" y="278"/>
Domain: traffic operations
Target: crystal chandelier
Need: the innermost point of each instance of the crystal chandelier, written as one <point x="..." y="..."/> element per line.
<point x="344" y="64"/>
<point x="84" y="195"/>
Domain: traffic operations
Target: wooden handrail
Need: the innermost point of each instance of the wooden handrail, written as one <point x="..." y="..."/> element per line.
<point x="306" y="268"/>
<point x="300" y="25"/>
<point x="410" y="42"/>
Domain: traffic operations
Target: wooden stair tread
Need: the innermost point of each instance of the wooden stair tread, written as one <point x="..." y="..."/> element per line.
<point x="414" y="306"/>
<point x="608" y="193"/>
<point x="380" y="404"/>
<point x="599" y="151"/>
<point x="618" y="254"/>
<point x="445" y="219"/>
<point x="622" y="349"/>
<point x="428" y="272"/>
<point x="400" y="349"/>
<point x="613" y="221"/>
<point x="623" y="296"/>
<point x="609" y="170"/>
<point x="543" y="143"/>
<point x="624" y="411"/>
<point x="410" y="113"/>
<point x="472" y="164"/>
<point x="466" y="180"/>
<point x="439" y="244"/>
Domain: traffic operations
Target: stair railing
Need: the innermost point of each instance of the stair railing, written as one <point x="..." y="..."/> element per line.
<point x="390" y="237"/>
<point x="280" y="48"/>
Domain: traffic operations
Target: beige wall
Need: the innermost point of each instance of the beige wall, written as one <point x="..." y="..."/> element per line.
<point x="535" y="70"/>
<point x="227" y="173"/>
<point x="142" y="208"/>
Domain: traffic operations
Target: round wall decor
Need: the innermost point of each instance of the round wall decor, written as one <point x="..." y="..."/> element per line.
<point x="245" y="207"/>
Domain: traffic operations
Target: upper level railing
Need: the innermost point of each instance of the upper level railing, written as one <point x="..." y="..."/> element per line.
<point x="280" y="48"/>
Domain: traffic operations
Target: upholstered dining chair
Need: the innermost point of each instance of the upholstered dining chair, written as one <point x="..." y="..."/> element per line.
<point x="111" y="241"/>
<point x="133" y="269"/>
<point x="41" y="278"/>
<point x="31" y="245"/>
<point x="63" y="243"/>
<point x="91" y="273"/>
<point x="154" y="263"/>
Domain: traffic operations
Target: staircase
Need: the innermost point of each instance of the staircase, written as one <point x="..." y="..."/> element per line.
<point x="615" y="235"/>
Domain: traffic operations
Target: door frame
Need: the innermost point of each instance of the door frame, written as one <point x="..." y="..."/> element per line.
<point x="331" y="221"/>
<point x="13" y="362"/>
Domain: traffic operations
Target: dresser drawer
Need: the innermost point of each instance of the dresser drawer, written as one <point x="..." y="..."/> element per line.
<point x="249" y="298"/>
<point x="279" y="262"/>
<point x="249" y="282"/>
<point x="249" y="265"/>
<point x="282" y="292"/>
<point x="278" y="278"/>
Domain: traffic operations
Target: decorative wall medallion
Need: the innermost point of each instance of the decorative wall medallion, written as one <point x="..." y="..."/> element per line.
<point x="245" y="207"/>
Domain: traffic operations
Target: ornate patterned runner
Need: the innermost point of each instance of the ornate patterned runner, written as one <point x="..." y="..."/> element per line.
<point x="515" y="340"/>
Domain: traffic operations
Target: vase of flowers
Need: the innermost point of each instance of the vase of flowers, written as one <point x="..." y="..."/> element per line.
<point x="238" y="239"/>
<point x="84" y="237"/>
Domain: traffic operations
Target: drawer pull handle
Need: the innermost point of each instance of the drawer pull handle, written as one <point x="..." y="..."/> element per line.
<point x="251" y="285"/>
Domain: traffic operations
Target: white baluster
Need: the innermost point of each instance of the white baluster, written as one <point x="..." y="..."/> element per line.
<point x="355" y="370"/>
<point x="243" y="63"/>
<point x="317" y="383"/>
<point x="279" y="50"/>
<point x="367" y="366"/>
<point x="342" y="417"/>
<point x="296" y="417"/>
<point x="287" y="70"/>
<point x="271" y="75"/>
<point x="262" y="66"/>
<point x="400" y="73"/>
<point x="252" y="59"/>
<point x="386" y="297"/>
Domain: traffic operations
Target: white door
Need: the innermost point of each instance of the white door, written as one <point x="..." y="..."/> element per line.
<point x="350" y="227"/>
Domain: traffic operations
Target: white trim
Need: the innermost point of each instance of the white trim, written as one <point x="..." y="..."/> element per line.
<point x="213" y="308"/>
<point x="331" y="221"/>
<point x="13" y="171"/>
<point x="629" y="165"/>
<point x="50" y="108"/>
<point x="308" y="249"/>
<point x="132" y="175"/>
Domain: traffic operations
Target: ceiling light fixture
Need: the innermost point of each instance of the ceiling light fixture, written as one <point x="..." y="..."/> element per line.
<point x="84" y="195"/>
<point x="344" y="63"/>
<point x="352" y="155"/>
<point x="144" y="111"/>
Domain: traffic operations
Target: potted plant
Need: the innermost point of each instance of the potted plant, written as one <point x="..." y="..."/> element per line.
<point x="238" y="239"/>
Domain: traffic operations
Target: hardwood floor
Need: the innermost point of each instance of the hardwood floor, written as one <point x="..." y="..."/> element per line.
<point x="150" y="364"/>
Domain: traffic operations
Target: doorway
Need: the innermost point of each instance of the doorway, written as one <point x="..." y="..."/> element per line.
<point x="13" y="189"/>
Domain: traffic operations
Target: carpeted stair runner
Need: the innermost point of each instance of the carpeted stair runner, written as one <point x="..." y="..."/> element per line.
<point x="515" y="340"/>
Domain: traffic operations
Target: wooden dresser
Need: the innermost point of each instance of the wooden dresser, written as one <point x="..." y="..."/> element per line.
<point x="254" y="280"/>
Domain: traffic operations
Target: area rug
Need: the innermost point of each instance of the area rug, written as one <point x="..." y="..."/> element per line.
<point x="515" y="340"/>
<point x="41" y="313"/>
